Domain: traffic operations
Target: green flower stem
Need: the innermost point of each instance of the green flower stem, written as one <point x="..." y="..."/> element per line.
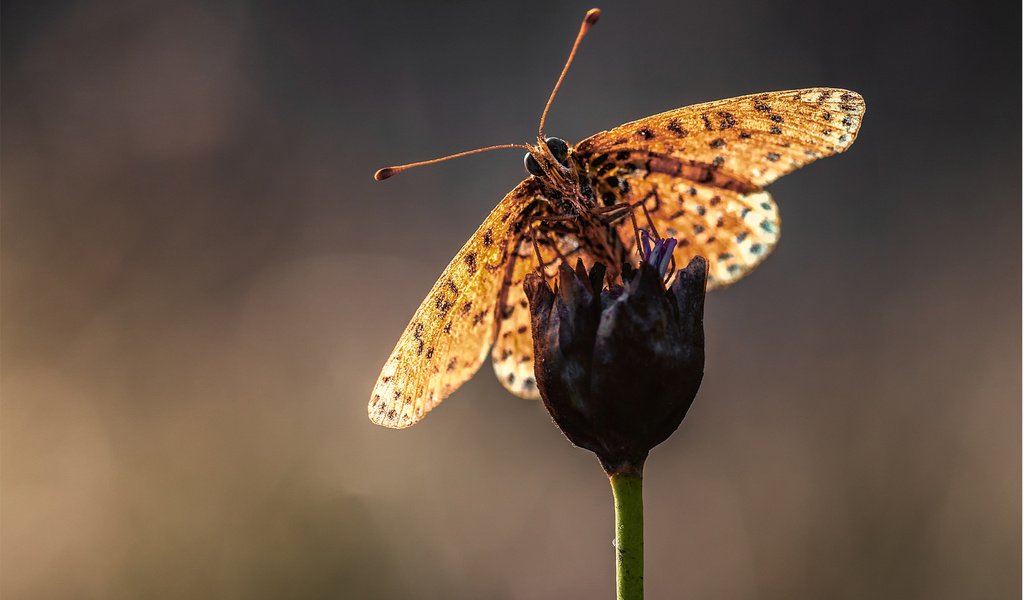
<point x="629" y="534"/>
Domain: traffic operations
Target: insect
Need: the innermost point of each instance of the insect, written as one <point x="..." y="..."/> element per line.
<point x="696" y="174"/>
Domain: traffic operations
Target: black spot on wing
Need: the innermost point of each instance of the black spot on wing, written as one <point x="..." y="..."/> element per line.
<point x="726" y="120"/>
<point x="442" y="304"/>
<point x="677" y="128"/>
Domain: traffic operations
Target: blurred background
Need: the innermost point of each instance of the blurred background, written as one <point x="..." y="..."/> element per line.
<point x="201" y="281"/>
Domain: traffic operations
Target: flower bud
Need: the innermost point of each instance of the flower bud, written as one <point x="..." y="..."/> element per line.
<point x="618" y="367"/>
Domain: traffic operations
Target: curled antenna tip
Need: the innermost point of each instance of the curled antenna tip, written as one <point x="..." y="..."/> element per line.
<point x="384" y="173"/>
<point x="592" y="16"/>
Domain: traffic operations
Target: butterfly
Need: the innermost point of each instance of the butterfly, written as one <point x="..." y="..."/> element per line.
<point x="696" y="174"/>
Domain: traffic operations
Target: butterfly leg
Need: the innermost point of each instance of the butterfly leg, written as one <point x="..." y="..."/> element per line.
<point x="556" y="218"/>
<point x="554" y="246"/>
<point x="636" y="232"/>
<point x="536" y="240"/>
<point x="536" y="249"/>
<point x="647" y="215"/>
<point x="611" y="214"/>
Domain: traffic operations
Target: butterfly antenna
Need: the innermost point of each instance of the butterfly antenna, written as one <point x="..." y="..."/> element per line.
<point x="386" y="172"/>
<point x="588" y="22"/>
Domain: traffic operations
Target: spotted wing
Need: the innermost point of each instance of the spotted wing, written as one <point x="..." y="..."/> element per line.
<point x="452" y="330"/>
<point x="699" y="170"/>
<point x="744" y="143"/>
<point x="513" y="349"/>
<point x="735" y="231"/>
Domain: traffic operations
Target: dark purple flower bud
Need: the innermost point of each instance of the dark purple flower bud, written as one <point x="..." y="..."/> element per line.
<point x="619" y="367"/>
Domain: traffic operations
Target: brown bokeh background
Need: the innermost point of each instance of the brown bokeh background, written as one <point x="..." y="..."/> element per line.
<point x="201" y="281"/>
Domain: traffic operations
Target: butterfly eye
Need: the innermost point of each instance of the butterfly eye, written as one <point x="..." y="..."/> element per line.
<point x="559" y="149"/>
<point x="532" y="166"/>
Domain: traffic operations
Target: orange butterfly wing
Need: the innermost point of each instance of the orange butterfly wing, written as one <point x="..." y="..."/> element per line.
<point x="752" y="139"/>
<point x="449" y="335"/>
<point x="699" y="170"/>
<point x="734" y="231"/>
<point x="513" y="349"/>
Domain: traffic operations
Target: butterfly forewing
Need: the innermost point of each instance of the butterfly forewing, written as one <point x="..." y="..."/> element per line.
<point x="452" y="330"/>
<point x="751" y="140"/>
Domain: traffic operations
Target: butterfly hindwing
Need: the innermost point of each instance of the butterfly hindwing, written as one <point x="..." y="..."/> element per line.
<point x="735" y="231"/>
<point x="452" y="330"/>
<point x="513" y="348"/>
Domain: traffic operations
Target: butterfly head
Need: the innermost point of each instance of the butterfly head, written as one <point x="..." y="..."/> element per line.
<point x="548" y="159"/>
<point x="552" y="161"/>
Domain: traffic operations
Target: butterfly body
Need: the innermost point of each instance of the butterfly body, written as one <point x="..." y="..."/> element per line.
<point x="696" y="174"/>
